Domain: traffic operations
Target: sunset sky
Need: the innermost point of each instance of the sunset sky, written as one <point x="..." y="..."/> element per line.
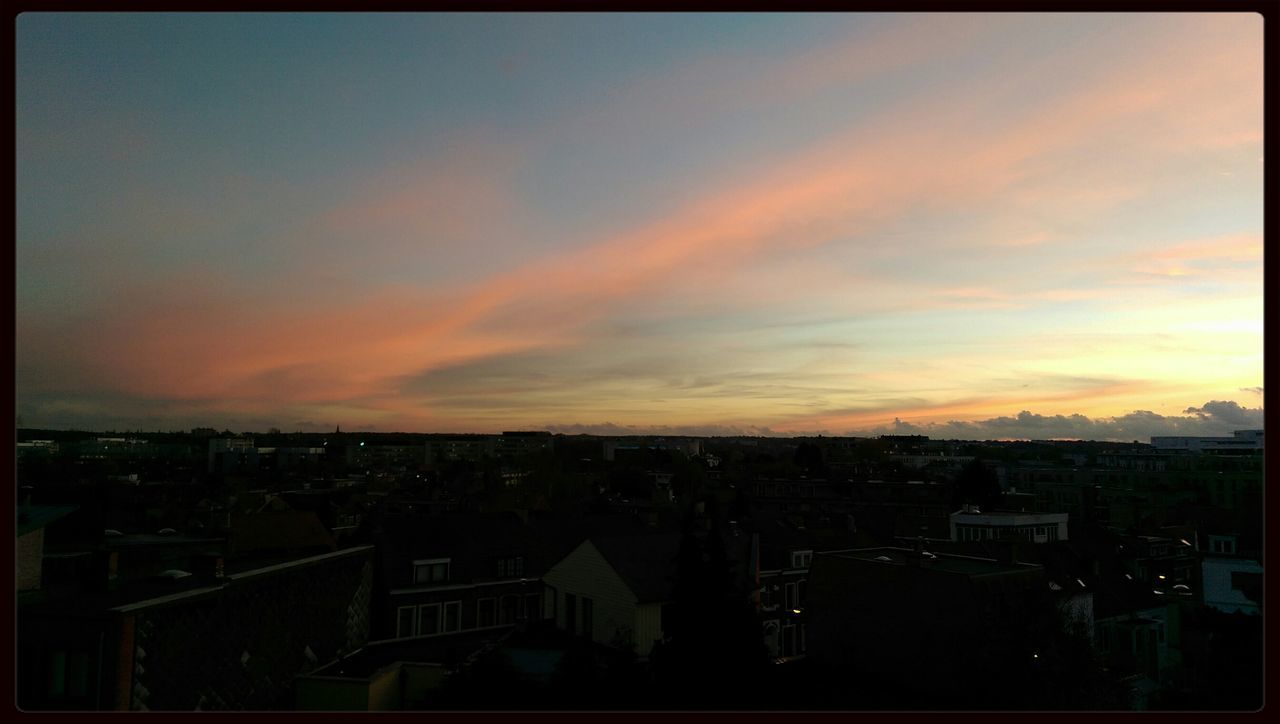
<point x="979" y="226"/>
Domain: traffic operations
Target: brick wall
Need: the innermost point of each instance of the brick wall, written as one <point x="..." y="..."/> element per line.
<point x="29" y="555"/>
<point x="242" y="647"/>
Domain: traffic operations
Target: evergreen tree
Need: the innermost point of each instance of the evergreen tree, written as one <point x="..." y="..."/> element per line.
<point x="714" y="657"/>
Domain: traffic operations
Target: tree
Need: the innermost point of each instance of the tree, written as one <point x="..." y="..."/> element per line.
<point x="808" y="457"/>
<point x="714" y="656"/>
<point x="977" y="484"/>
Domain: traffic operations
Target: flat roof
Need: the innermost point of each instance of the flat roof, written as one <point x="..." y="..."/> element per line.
<point x="375" y="655"/>
<point x="33" y="517"/>
<point x="944" y="562"/>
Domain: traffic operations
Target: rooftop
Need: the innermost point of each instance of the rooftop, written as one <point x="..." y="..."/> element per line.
<point x="34" y="517"/>
<point x="944" y="562"/>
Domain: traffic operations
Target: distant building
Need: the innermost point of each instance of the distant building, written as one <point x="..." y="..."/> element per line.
<point x="469" y="449"/>
<point x="971" y="524"/>
<point x="1241" y="440"/>
<point x="232" y="455"/>
<point x="522" y="444"/>
<point x="687" y="446"/>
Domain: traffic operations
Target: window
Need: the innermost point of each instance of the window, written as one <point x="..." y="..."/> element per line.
<point x="511" y="567"/>
<point x="429" y="619"/>
<point x="78" y="673"/>
<point x="571" y="613"/>
<point x="486" y="615"/>
<point x="57" y="673"/>
<point x="800" y="589"/>
<point x="792" y="596"/>
<point x="801" y="559"/>
<point x="435" y="570"/>
<point x="588" y="627"/>
<point x="771" y="632"/>
<point x="507" y="611"/>
<point x="453" y="616"/>
<point x="404" y="621"/>
<point x="800" y="647"/>
<point x="788" y="640"/>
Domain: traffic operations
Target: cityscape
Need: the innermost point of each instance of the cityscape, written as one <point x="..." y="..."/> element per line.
<point x="639" y="362"/>
<point x="362" y="572"/>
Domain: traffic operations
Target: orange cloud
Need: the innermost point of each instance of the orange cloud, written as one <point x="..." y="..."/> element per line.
<point x="210" y="344"/>
<point x="966" y="408"/>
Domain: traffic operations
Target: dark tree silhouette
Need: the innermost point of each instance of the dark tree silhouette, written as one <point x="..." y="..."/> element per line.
<point x="808" y="457"/>
<point x="977" y="484"/>
<point x="714" y="657"/>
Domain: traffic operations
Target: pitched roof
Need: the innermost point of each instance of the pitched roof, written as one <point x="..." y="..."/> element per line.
<point x="33" y="517"/>
<point x="288" y="531"/>
<point x="646" y="563"/>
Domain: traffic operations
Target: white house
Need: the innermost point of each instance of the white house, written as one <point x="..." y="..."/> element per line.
<point x="612" y="590"/>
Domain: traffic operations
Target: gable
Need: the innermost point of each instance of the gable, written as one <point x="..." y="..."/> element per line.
<point x="586" y="570"/>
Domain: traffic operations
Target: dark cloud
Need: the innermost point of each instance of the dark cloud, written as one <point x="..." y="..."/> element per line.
<point x="609" y="428"/>
<point x="1228" y="413"/>
<point x="1214" y="418"/>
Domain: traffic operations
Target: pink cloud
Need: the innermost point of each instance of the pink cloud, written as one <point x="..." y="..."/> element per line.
<point x="205" y="342"/>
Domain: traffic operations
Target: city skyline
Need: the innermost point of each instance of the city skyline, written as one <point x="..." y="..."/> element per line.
<point x="973" y="226"/>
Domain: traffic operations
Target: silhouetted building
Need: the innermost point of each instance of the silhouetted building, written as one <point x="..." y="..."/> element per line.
<point x="1241" y="440"/>
<point x="29" y="556"/>
<point x="194" y="642"/>
<point x="909" y="615"/>
<point x="974" y="524"/>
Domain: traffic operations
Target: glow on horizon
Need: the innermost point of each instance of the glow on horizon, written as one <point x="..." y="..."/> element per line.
<point x="777" y="224"/>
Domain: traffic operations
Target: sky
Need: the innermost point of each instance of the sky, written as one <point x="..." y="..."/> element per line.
<point x="980" y="226"/>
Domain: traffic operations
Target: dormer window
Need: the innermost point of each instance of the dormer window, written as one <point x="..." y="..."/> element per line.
<point x="432" y="570"/>
<point x="511" y="567"/>
<point x="801" y="559"/>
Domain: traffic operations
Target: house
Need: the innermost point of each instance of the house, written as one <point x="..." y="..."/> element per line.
<point x="1231" y="582"/>
<point x="782" y="551"/>
<point x="612" y="590"/>
<point x="32" y="520"/>
<point x="912" y="616"/>
<point x="439" y="575"/>
<point x="188" y="642"/>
